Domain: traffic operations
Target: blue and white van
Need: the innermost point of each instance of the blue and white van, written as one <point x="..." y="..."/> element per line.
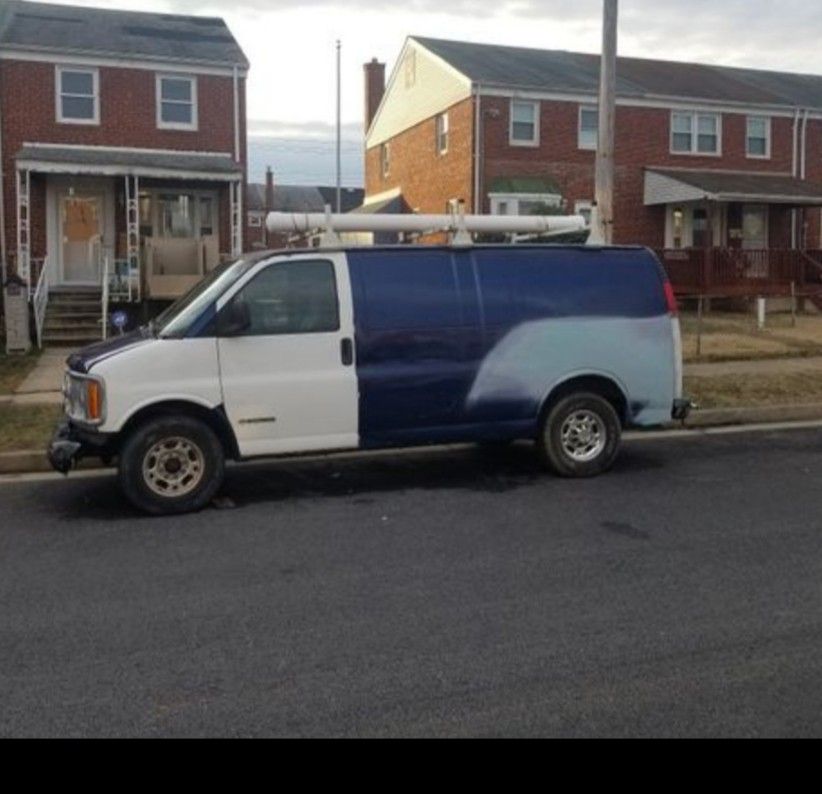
<point x="372" y="348"/>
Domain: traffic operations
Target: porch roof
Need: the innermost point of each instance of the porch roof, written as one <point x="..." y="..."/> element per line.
<point x="113" y="161"/>
<point x="664" y="186"/>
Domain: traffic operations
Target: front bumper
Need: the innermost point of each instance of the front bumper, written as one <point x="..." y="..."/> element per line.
<point x="71" y="443"/>
<point x="682" y="410"/>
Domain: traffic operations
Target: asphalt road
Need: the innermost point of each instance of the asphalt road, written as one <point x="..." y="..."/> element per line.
<point x="450" y="593"/>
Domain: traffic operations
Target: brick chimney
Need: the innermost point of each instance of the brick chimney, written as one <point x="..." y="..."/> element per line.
<point x="269" y="189"/>
<point x="374" y="89"/>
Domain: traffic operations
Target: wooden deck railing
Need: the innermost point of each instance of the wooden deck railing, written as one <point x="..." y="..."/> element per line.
<point x="729" y="272"/>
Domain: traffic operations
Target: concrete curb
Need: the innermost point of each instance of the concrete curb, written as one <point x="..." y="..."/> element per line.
<point x="35" y="461"/>
<point x="724" y="417"/>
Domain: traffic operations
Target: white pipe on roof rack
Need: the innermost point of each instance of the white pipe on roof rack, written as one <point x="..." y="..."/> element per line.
<point x="299" y="222"/>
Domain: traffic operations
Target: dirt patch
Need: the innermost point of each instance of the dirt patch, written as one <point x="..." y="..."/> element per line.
<point x="738" y="391"/>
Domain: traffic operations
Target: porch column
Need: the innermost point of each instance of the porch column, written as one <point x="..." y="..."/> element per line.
<point x="236" y="197"/>
<point x="134" y="276"/>
<point x="24" y="226"/>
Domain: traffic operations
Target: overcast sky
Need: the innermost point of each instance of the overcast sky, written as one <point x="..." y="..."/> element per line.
<point x="290" y="43"/>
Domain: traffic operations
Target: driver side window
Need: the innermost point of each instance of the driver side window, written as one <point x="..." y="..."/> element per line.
<point x="297" y="297"/>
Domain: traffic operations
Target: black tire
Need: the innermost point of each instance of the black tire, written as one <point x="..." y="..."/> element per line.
<point x="150" y="454"/>
<point x="594" y="431"/>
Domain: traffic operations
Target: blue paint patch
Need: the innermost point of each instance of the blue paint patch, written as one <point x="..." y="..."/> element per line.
<point x="82" y="360"/>
<point x="454" y="345"/>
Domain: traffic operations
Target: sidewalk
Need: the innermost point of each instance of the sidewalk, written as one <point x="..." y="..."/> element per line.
<point x="44" y="384"/>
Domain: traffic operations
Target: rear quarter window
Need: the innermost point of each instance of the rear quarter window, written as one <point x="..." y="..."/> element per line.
<point x="528" y="284"/>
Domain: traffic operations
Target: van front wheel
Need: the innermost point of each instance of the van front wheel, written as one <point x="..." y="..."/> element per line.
<point x="171" y="465"/>
<point x="580" y="436"/>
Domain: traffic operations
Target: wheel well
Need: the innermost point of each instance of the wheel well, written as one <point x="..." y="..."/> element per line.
<point x="215" y="418"/>
<point x="594" y="384"/>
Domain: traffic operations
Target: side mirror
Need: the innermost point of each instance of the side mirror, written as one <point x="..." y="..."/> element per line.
<point x="235" y="319"/>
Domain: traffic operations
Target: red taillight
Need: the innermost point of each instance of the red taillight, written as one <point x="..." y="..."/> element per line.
<point x="670" y="299"/>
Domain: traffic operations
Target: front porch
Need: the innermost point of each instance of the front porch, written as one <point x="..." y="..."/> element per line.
<point x="738" y="234"/>
<point x="135" y="224"/>
<point x="732" y="272"/>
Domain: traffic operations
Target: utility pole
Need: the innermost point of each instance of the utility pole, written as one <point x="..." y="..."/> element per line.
<point x="602" y="232"/>
<point x="339" y="130"/>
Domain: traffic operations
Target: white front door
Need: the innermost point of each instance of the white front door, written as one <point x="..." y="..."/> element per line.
<point x="80" y="230"/>
<point x="288" y="374"/>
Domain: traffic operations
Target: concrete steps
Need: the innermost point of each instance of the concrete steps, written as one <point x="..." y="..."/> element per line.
<point x="73" y="318"/>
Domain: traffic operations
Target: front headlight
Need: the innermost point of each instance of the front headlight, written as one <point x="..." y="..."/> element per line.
<point x="84" y="398"/>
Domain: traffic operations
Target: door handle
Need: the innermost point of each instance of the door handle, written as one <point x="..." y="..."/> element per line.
<point x="347" y="352"/>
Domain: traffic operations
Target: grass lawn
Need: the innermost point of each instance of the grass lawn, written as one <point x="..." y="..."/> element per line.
<point x="27" y="426"/>
<point x="734" y="337"/>
<point x="736" y="391"/>
<point x="13" y="370"/>
<point x="31" y="426"/>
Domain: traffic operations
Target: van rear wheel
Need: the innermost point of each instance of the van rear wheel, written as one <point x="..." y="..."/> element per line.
<point x="171" y="465"/>
<point x="580" y="436"/>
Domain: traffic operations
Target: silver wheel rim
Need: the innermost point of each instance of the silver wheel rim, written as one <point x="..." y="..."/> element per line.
<point x="584" y="436"/>
<point x="173" y="467"/>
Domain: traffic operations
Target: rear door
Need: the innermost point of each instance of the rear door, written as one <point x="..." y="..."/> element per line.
<point x="289" y="380"/>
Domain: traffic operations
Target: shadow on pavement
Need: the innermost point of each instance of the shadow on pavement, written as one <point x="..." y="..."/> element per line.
<point x="475" y="469"/>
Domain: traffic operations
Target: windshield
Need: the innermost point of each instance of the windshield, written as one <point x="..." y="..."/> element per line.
<point x="177" y="319"/>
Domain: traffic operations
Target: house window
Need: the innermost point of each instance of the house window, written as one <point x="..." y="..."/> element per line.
<point x="524" y="203"/>
<point x="255" y="219"/>
<point x="206" y="216"/>
<point x="176" y="102"/>
<point x="442" y="133"/>
<point x="524" y="123"/>
<point x="588" y="127"/>
<point x="759" y="137"/>
<point x="78" y="96"/>
<point x="678" y="228"/>
<point x="385" y="159"/>
<point x="185" y="215"/>
<point x="695" y="133"/>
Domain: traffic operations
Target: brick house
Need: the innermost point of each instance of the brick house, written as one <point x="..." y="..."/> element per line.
<point x="706" y="157"/>
<point x="123" y="145"/>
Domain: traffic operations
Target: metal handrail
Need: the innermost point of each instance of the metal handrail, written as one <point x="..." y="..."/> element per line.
<point x="40" y="301"/>
<point x="104" y="297"/>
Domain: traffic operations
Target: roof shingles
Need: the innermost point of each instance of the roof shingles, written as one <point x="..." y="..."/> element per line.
<point x="572" y="72"/>
<point x="124" y="34"/>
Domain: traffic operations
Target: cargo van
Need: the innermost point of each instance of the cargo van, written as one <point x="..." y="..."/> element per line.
<point x="311" y="351"/>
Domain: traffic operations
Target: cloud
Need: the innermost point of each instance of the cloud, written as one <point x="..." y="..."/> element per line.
<point x="290" y="43"/>
<point x="304" y="130"/>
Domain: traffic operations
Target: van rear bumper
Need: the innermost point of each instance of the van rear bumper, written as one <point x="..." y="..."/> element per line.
<point x="682" y="410"/>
